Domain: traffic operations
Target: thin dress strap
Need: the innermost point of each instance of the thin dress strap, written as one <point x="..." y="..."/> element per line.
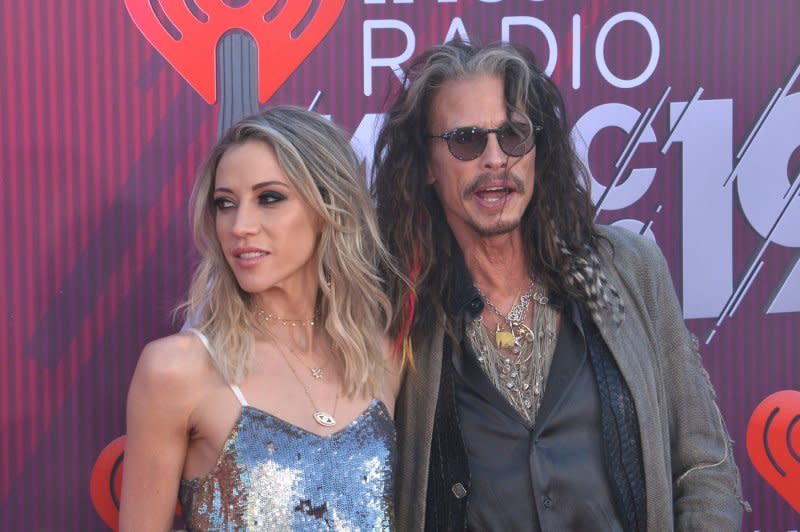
<point x="239" y="395"/>
<point x="236" y="391"/>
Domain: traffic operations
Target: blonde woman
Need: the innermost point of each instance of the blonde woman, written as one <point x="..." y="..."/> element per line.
<point x="275" y="411"/>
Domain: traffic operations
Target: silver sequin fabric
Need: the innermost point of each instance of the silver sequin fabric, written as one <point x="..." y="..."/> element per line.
<point x="272" y="475"/>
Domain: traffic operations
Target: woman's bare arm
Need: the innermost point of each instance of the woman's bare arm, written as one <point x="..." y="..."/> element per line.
<point x="160" y="402"/>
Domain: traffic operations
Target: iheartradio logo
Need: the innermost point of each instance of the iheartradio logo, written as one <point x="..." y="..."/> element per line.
<point x="773" y="443"/>
<point x="105" y="483"/>
<point x="186" y="33"/>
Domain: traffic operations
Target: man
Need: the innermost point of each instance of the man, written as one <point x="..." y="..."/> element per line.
<point x="555" y="384"/>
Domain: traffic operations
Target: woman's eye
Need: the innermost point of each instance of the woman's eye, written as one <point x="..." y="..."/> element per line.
<point x="222" y="203"/>
<point x="270" y="197"/>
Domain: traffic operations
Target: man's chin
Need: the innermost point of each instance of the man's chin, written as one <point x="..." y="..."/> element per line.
<point x="496" y="229"/>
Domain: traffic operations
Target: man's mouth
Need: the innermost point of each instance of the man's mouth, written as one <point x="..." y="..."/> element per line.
<point x="493" y="194"/>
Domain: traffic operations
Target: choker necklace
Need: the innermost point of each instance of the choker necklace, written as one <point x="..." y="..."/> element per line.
<point x="320" y="416"/>
<point x="289" y="322"/>
<point x="519" y="333"/>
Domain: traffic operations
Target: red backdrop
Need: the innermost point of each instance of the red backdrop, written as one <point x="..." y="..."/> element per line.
<point x="101" y="135"/>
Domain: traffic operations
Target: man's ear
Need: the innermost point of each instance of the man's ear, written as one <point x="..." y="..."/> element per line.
<point x="431" y="178"/>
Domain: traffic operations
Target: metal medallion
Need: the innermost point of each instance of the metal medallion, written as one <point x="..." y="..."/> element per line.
<point x="324" y="419"/>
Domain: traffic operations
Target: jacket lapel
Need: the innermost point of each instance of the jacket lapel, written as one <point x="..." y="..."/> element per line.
<point x="631" y="346"/>
<point x="414" y="417"/>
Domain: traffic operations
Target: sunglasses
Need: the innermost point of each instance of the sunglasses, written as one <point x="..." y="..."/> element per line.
<point x="467" y="143"/>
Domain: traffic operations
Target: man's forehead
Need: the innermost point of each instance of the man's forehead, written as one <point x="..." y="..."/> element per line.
<point x="476" y="101"/>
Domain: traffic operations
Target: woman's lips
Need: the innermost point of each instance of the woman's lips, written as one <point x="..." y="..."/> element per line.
<point x="246" y="257"/>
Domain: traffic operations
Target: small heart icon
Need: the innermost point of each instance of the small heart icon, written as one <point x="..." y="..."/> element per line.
<point x="187" y="38"/>
<point x="773" y="443"/>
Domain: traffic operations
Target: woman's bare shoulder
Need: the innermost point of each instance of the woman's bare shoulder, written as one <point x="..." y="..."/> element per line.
<point x="175" y="364"/>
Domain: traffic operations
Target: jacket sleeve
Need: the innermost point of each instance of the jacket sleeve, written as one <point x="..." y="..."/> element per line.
<point x="706" y="485"/>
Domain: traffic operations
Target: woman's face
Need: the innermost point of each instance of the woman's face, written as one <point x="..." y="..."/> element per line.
<point x="267" y="231"/>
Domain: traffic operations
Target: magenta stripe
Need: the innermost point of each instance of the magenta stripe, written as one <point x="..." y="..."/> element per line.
<point x="26" y="406"/>
<point x="9" y="268"/>
<point x="39" y="404"/>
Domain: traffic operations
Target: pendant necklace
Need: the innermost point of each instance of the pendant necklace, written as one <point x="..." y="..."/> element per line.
<point x="320" y="416"/>
<point x="519" y="333"/>
<point x="316" y="371"/>
<point x="520" y="376"/>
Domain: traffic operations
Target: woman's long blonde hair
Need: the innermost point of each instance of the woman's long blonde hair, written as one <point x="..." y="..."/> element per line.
<point x="355" y="312"/>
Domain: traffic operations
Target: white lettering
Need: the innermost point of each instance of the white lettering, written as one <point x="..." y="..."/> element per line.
<point x="394" y="63"/>
<point x="533" y="22"/>
<point x="655" y="49"/>
<point x="456" y="29"/>
<point x="705" y="131"/>
<point x="364" y="138"/>
<point x="587" y="127"/>
<point x="576" y="52"/>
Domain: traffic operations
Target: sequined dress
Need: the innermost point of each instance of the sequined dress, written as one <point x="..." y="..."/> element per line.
<point x="272" y="475"/>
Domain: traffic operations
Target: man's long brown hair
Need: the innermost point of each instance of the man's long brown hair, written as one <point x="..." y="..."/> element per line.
<point x="557" y="226"/>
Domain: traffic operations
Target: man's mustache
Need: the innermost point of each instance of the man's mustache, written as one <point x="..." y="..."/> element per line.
<point x="488" y="177"/>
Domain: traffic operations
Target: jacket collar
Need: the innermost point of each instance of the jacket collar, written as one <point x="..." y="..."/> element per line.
<point x="463" y="299"/>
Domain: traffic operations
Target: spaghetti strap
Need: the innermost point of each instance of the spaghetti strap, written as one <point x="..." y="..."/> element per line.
<point x="236" y="391"/>
<point x="239" y="395"/>
<point x="202" y="338"/>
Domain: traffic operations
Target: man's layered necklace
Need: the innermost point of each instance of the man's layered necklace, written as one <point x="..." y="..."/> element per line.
<point x="518" y="359"/>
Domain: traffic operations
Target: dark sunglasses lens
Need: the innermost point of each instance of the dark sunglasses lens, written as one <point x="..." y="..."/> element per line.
<point x="516" y="141"/>
<point x="467" y="143"/>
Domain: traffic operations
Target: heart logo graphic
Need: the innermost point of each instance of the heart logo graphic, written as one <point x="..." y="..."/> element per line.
<point x="773" y="443"/>
<point x="187" y="38"/>
<point x="105" y="483"/>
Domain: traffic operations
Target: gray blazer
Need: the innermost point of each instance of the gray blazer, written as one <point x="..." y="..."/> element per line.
<point x="691" y="479"/>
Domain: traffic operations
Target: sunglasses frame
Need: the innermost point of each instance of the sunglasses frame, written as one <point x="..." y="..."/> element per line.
<point x="498" y="131"/>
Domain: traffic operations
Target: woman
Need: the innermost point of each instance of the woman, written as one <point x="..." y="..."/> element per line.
<point x="275" y="411"/>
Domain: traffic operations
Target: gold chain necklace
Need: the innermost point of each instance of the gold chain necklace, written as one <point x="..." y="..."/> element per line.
<point x="316" y="371"/>
<point x="519" y="333"/>
<point x="289" y="322"/>
<point x="320" y="416"/>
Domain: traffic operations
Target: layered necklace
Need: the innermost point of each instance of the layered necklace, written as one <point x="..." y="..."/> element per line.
<point x="518" y="358"/>
<point x="316" y="371"/>
<point x="321" y="417"/>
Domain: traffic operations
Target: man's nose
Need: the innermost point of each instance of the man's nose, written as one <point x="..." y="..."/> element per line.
<point x="493" y="157"/>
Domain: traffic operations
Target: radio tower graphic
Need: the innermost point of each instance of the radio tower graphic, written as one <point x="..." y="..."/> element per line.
<point x="234" y="52"/>
<point x="773" y="443"/>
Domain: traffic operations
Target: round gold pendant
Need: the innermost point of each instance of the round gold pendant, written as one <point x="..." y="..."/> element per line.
<point x="324" y="419"/>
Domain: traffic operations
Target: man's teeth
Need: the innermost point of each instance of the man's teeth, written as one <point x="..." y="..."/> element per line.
<point x="492" y="192"/>
<point x="251" y="255"/>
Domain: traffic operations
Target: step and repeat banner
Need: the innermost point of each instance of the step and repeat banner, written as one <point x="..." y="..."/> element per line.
<point x="687" y="114"/>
